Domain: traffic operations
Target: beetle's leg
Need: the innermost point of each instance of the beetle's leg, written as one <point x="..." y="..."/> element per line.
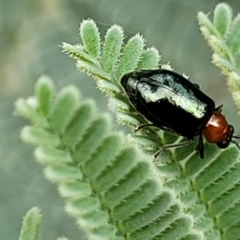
<point x="200" y="147"/>
<point x="173" y="145"/>
<point x="219" y="108"/>
<point x="141" y="126"/>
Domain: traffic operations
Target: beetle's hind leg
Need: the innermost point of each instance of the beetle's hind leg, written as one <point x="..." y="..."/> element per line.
<point x="173" y="145"/>
<point x="200" y="147"/>
<point x="141" y="126"/>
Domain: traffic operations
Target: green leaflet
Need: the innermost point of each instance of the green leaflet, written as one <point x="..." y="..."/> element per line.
<point x="44" y="92"/>
<point x="63" y="109"/>
<point x="130" y="56"/>
<point x="112" y="47"/>
<point x="90" y="37"/>
<point x="31" y="224"/>
<point x="149" y="58"/>
<point x="222" y="18"/>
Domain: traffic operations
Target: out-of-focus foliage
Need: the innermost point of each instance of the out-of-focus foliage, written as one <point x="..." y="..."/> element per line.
<point x="31" y="32"/>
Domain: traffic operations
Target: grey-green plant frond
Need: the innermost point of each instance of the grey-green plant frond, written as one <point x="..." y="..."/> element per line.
<point x="111" y="187"/>
<point x="223" y="34"/>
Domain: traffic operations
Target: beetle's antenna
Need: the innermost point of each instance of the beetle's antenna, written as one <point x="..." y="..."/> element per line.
<point x="236" y="143"/>
<point x="237" y="137"/>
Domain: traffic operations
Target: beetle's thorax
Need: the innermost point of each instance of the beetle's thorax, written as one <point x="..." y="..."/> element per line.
<point x="217" y="129"/>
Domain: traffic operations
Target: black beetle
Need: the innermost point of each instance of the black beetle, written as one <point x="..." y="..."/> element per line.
<point x="174" y="104"/>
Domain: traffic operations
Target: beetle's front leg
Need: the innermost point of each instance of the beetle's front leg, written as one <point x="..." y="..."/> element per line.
<point x="172" y="145"/>
<point x="141" y="126"/>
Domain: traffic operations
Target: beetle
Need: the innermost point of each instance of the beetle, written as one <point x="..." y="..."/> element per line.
<point x="171" y="102"/>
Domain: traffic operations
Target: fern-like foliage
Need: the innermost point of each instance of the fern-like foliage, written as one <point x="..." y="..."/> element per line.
<point x="112" y="189"/>
<point x="223" y="35"/>
<point x="208" y="190"/>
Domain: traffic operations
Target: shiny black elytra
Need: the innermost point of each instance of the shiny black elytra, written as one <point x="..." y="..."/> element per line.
<point x="174" y="104"/>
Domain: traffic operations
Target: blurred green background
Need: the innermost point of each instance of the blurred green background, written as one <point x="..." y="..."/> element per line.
<point x="31" y="33"/>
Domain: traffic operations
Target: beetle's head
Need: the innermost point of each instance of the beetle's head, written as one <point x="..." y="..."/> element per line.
<point x="217" y="130"/>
